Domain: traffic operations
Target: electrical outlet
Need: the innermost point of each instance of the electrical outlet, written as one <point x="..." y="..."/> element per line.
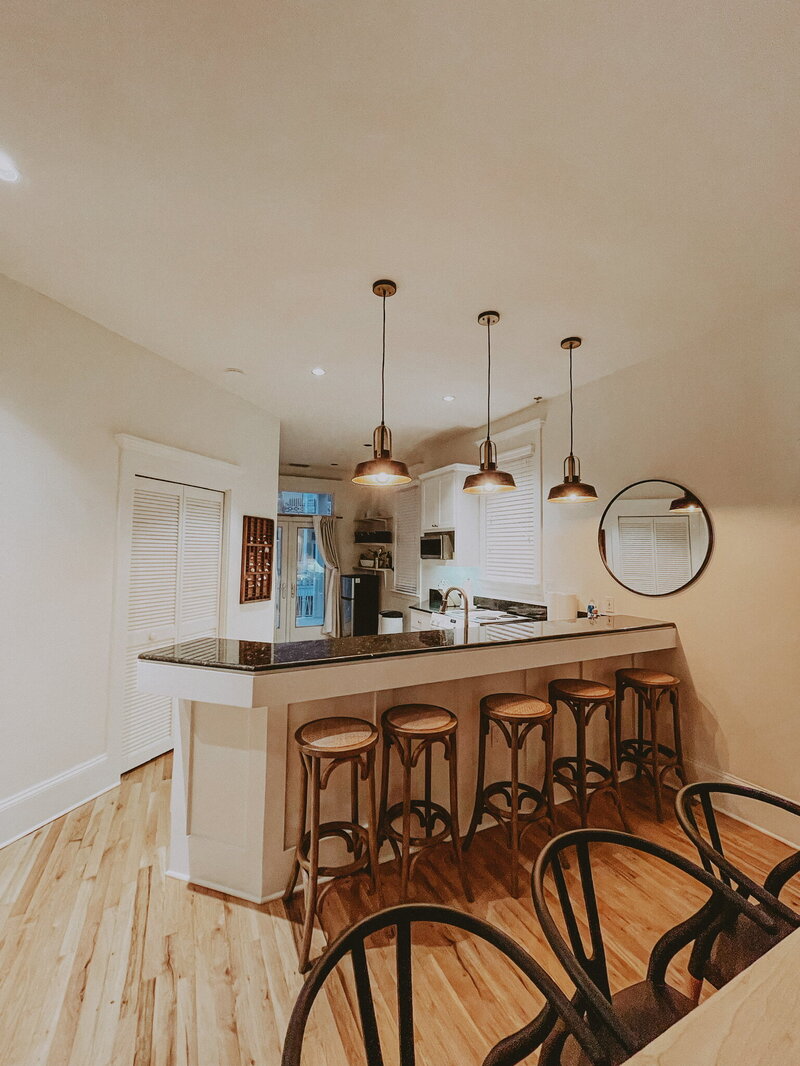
<point x="608" y="605"/>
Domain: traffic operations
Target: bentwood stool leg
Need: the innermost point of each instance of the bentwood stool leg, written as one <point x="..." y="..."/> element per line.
<point x="619" y="703"/>
<point x="654" y="753"/>
<point x="514" y="820"/>
<point x="355" y="768"/>
<point x="477" y="810"/>
<point x="311" y="878"/>
<point x="639" y="700"/>
<point x="611" y="715"/>
<point x="680" y="769"/>
<point x="580" y="784"/>
<point x="301" y="828"/>
<point x="452" y="756"/>
<point x="405" y="861"/>
<point x="548" y="790"/>
<point x="384" y="797"/>
<point x="372" y="828"/>
<point x="428" y="822"/>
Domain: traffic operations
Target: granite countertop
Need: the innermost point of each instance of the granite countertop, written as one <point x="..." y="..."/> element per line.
<point x="256" y="657"/>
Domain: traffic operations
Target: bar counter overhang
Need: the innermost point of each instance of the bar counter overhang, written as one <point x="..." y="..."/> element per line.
<point x="236" y="773"/>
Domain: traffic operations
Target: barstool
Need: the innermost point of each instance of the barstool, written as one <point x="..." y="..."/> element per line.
<point x="411" y="730"/>
<point x="586" y="778"/>
<point x="338" y="742"/>
<point x="650" y="756"/>
<point x="515" y="715"/>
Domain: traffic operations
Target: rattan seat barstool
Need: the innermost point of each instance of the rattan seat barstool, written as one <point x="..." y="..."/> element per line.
<point x="334" y="742"/>
<point x="648" y="754"/>
<point x="515" y="714"/>
<point x="412" y="730"/>
<point x="582" y="777"/>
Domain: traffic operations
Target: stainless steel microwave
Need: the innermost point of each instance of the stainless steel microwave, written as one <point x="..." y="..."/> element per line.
<point x="436" y="546"/>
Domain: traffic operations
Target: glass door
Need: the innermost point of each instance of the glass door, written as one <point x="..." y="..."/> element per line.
<point x="300" y="576"/>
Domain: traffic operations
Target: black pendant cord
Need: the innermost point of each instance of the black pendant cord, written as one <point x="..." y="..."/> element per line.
<point x="488" y="380"/>
<point x="570" y="403"/>
<point x="383" y="363"/>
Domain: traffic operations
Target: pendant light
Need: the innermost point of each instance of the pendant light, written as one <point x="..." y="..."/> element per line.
<point x="572" y="489"/>
<point x="686" y="504"/>
<point x="381" y="470"/>
<point x="489" y="478"/>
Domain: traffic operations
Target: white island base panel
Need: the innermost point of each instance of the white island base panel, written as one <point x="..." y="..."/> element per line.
<point x="236" y="777"/>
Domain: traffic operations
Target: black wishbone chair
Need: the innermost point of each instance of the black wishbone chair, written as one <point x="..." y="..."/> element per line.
<point x="507" y="1052"/>
<point x="630" y="1018"/>
<point x="733" y="942"/>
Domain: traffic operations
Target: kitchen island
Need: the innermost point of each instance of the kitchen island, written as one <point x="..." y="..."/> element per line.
<point x="235" y="792"/>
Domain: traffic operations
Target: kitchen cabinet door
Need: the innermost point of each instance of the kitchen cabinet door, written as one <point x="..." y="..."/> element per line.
<point x="447" y="501"/>
<point x="430" y="504"/>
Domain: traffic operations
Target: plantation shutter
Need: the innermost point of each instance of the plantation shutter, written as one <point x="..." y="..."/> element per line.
<point x="655" y="553"/>
<point x="201" y="553"/>
<point x="173" y="594"/>
<point x="637" y="554"/>
<point x="511" y="541"/>
<point x="673" y="552"/>
<point x="406" y="540"/>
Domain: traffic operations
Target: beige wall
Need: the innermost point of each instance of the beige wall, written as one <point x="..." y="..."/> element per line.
<point x="68" y="386"/>
<point x="723" y="420"/>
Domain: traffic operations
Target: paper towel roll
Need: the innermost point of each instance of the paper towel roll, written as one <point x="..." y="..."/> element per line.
<point x="562" y="606"/>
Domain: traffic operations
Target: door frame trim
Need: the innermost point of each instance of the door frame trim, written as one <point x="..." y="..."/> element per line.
<point x="294" y="522"/>
<point x="139" y="457"/>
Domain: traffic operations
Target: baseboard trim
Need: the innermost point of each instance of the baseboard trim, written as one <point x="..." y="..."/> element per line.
<point x="214" y="887"/>
<point x="36" y="806"/>
<point x="701" y="771"/>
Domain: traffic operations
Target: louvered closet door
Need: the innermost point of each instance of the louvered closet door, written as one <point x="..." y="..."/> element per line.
<point x="174" y="589"/>
<point x="673" y="552"/>
<point x="201" y="555"/>
<point x="654" y="553"/>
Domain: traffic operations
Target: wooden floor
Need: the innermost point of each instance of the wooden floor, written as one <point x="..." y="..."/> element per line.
<point x="104" y="960"/>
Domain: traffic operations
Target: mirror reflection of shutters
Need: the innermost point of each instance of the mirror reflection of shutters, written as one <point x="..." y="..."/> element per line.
<point x="654" y="553"/>
<point x="173" y="595"/>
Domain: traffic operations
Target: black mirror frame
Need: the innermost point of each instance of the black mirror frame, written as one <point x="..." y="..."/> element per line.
<point x="601" y="537"/>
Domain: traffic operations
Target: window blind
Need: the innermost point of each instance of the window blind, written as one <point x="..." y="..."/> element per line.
<point x="406" y="540"/>
<point x="655" y="553"/>
<point x="511" y="541"/>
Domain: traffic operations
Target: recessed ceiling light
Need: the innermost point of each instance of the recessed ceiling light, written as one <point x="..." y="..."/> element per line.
<point x="8" y="169"/>
<point x="318" y="372"/>
<point x="233" y="370"/>
<point x="448" y="399"/>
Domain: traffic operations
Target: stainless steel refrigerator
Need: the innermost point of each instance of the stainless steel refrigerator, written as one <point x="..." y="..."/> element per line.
<point x="359" y="604"/>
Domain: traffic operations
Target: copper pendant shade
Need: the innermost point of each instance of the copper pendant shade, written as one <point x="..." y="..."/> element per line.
<point x="489" y="478"/>
<point x="686" y="504"/>
<point x="572" y="489"/>
<point x="382" y="470"/>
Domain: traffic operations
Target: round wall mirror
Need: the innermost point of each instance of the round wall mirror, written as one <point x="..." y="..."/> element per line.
<point x="655" y="537"/>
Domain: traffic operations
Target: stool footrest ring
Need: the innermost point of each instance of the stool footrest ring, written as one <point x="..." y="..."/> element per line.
<point x="355" y="838"/>
<point x="427" y="815"/>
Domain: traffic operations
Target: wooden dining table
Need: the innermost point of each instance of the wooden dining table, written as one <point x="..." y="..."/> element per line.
<point x="753" y="1021"/>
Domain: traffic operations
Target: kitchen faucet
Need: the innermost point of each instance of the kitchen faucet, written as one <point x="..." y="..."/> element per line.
<point x="443" y="608"/>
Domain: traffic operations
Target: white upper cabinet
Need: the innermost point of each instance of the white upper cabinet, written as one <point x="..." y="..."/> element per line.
<point x="446" y="508"/>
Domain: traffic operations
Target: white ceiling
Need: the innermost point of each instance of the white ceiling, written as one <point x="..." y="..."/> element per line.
<point x="222" y="183"/>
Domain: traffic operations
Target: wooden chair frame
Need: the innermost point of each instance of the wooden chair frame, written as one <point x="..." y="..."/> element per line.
<point x="714" y="860"/>
<point x="507" y="1052"/>
<point x="588" y="970"/>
